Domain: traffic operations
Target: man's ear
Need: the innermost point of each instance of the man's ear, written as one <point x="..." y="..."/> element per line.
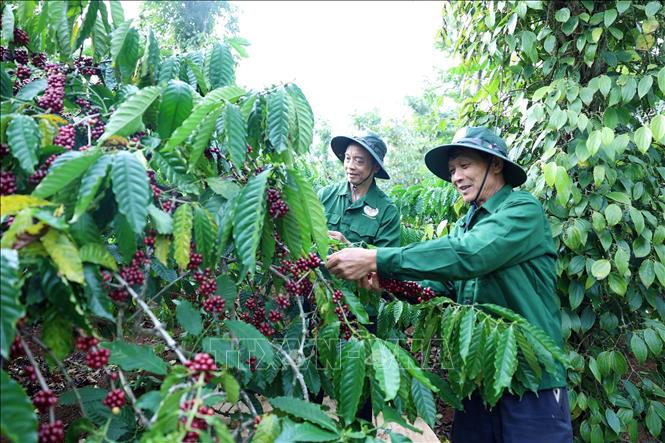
<point x="497" y="165"/>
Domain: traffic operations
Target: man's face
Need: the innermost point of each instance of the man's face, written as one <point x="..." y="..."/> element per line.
<point x="358" y="164"/>
<point x="467" y="170"/>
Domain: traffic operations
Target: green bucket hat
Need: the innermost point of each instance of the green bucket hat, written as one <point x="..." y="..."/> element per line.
<point x="481" y="139"/>
<point x="374" y="145"/>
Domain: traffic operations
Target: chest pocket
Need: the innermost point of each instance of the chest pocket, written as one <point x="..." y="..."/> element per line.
<point x="364" y="229"/>
<point x="333" y="221"/>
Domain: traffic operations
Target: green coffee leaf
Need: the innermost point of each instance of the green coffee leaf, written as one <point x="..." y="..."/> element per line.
<point x="131" y="189"/>
<point x="176" y="105"/>
<point x="125" y="116"/>
<point x="11" y="307"/>
<point x="18" y="420"/>
<point x="131" y="357"/>
<point x="182" y="234"/>
<point x="386" y="370"/>
<point x="351" y="380"/>
<point x="23" y="137"/>
<point x="248" y="219"/>
<point x="189" y="317"/>
<point x="67" y="168"/>
<point x="307" y="411"/>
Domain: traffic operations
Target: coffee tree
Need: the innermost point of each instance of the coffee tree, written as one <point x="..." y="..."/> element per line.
<point x="158" y="239"/>
<point x="578" y="89"/>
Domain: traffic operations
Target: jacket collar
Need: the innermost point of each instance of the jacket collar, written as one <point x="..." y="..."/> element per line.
<point x="493" y="203"/>
<point x="372" y="198"/>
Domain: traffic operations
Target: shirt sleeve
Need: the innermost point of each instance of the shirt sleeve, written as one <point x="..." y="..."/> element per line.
<point x="502" y="238"/>
<point x="388" y="234"/>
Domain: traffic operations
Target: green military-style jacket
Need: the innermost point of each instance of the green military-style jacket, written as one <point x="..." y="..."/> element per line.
<point x="506" y="257"/>
<point x="373" y="218"/>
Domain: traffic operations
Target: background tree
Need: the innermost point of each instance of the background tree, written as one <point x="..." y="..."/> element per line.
<point x="189" y="24"/>
<point x="577" y="89"/>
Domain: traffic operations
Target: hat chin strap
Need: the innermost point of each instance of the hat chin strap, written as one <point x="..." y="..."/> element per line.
<point x="474" y="203"/>
<point x="355" y="187"/>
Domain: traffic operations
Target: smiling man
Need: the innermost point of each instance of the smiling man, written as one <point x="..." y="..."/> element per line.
<point x="356" y="209"/>
<point x="501" y="252"/>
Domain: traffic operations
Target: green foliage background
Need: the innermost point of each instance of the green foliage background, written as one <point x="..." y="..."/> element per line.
<point x="577" y="89"/>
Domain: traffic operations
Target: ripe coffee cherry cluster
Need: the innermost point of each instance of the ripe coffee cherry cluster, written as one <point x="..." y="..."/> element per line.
<point x="278" y="207"/>
<point x="167" y="206"/>
<point x="296" y="289"/>
<point x="283" y="301"/>
<point x="202" y="363"/>
<point x="281" y="251"/>
<point x="302" y="265"/>
<point x="21" y="56"/>
<point x="275" y="316"/>
<point x="266" y="329"/>
<point x="85" y="66"/>
<point x="133" y="274"/>
<point x="40" y="173"/>
<point x="198" y="422"/>
<point x="210" y="151"/>
<point x="97" y="128"/>
<point x="253" y="363"/>
<point x="44" y="399"/>
<point x="119" y="295"/>
<point x="7" y="183"/>
<point x="337" y="296"/>
<point x="84" y="104"/>
<point x="5" y="56"/>
<point x="21" y="38"/>
<point x="86" y="343"/>
<point x="156" y="191"/>
<point x="4" y="150"/>
<point x="30" y="373"/>
<point x="16" y="350"/>
<point x="149" y="240"/>
<point x="54" y="96"/>
<point x="195" y="259"/>
<point x="410" y="289"/>
<point x="52" y="433"/>
<point x="23" y="72"/>
<point x="115" y="399"/>
<point x="97" y="358"/>
<point x="66" y="137"/>
<point x="39" y="60"/>
<point x="207" y="283"/>
<point x="215" y="305"/>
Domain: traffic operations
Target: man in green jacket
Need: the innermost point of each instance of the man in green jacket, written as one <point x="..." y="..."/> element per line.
<point x="356" y="209"/>
<point x="358" y="212"/>
<point x="502" y="252"/>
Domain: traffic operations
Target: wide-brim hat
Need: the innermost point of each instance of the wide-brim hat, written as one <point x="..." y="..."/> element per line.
<point x="481" y="139"/>
<point x="374" y="145"/>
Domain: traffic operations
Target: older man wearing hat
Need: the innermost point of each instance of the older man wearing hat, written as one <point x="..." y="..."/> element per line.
<point x="501" y="252"/>
<point x="356" y="209"/>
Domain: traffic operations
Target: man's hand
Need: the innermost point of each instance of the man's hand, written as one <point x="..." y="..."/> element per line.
<point x="336" y="235"/>
<point x="352" y="263"/>
<point x="370" y="282"/>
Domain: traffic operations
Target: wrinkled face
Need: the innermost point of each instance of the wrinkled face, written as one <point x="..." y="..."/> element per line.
<point x="358" y="164"/>
<point x="467" y="169"/>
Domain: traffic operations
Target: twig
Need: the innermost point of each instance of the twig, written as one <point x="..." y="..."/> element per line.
<point x="170" y="342"/>
<point x="40" y="377"/>
<point x="161" y="291"/>
<point x="295" y="369"/>
<point x="248" y="402"/>
<point x="132" y="399"/>
<point x="63" y="370"/>
<point x="303" y="319"/>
